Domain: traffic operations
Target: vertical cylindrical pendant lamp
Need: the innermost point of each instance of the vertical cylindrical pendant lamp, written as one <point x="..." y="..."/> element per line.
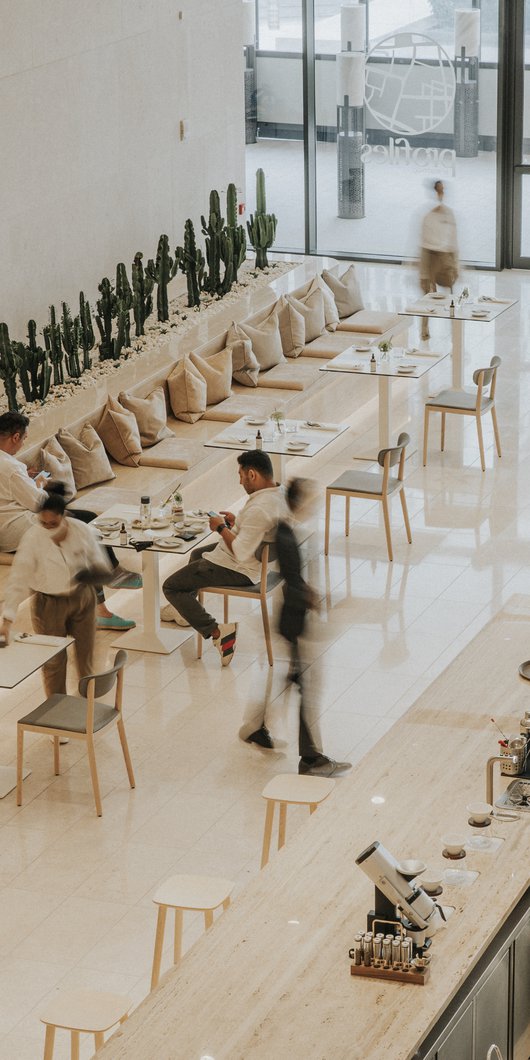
<point x="467" y="32"/>
<point x="350" y="78"/>
<point x="352" y="27"/>
<point x="249" y="21"/>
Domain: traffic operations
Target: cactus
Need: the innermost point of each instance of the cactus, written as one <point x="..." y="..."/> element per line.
<point x="34" y="367"/>
<point x="52" y="341"/>
<point x="213" y="231"/>
<point x="8" y="368"/>
<point x="262" y="225"/>
<point x="236" y="232"/>
<point x="191" y="262"/>
<point x="70" y="341"/>
<point x="227" y="255"/>
<point x="142" y="283"/>
<point x="124" y="301"/>
<point x="106" y="310"/>
<point x="86" y="331"/>
<point x="161" y="273"/>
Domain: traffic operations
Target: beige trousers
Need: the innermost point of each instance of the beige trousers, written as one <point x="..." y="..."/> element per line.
<point x="63" y="616"/>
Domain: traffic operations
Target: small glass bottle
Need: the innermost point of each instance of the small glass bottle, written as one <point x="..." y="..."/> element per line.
<point x="123" y="535"/>
<point x="145" y="512"/>
<point x="452" y="308"/>
<point x="259" y="439"/>
<point x="373" y="362"/>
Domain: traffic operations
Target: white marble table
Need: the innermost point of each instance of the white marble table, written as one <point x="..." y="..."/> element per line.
<point x="280" y="446"/>
<point x="150" y="637"/>
<point x="434" y="305"/>
<point x="18" y="660"/>
<point x="356" y="362"/>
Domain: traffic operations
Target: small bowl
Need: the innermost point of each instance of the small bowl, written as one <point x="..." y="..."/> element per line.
<point x="454" y="842"/>
<point x="432" y="879"/>
<point x="411" y="867"/>
<point x="479" y="811"/>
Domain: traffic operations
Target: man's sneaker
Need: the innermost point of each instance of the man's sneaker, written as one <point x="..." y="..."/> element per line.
<point x="226" y="641"/>
<point x="322" y="766"/>
<point x="262" y="738"/>
<point x="168" y="614"/>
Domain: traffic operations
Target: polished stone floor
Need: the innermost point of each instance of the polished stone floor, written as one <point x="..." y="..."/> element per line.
<point x="75" y="890"/>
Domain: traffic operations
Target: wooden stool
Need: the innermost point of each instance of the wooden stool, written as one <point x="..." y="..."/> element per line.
<point x="294" y="789"/>
<point x="198" y="893"/>
<point x="83" y="1012"/>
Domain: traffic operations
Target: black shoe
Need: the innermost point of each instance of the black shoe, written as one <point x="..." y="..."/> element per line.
<point x="322" y="766"/>
<point x="262" y="738"/>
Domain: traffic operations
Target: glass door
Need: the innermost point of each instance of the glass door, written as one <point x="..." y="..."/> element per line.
<point x="521" y="168"/>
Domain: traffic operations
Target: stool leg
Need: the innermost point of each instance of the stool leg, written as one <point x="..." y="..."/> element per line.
<point x="442" y="433"/>
<point x="313" y="806"/>
<point x="208" y="919"/>
<point x="159" y="942"/>
<point x="226" y="903"/>
<point x="282" y="824"/>
<point x="74" y="1046"/>
<point x="177" y="944"/>
<point x="20" y="767"/>
<point x="56" y="756"/>
<point x="388" y="532"/>
<point x="99" y="1039"/>
<point x="326" y="529"/>
<point x="49" y="1041"/>
<point x="496" y="430"/>
<point x="481" y="443"/>
<point x="269" y="818"/>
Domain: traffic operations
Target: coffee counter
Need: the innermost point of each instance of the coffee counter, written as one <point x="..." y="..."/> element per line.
<point x="272" y="979"/>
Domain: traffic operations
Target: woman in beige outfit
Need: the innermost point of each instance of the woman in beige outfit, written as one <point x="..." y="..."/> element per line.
<point x="438" y="250"/>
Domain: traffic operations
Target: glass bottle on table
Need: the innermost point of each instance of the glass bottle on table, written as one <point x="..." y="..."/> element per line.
<point x="145" y="512"/>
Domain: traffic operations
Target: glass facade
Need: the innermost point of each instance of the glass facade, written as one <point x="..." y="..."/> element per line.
<point x="404" y="94"/>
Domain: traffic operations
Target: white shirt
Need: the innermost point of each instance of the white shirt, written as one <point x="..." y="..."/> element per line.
<point x="255" y="523"/>
<point x="42" y="566"/>
<point x="18" y="492"/>
<point x="438" y="231"/>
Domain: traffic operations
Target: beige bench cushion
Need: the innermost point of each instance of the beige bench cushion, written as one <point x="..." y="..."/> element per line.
<point x="187" y="391"/>
<point x="119" y="433"/>
<point x="346" y="290"/>
<point x="371" y="322"/>
<point x="150" y="414"/>
<point x="331" y="314"/>
<point x="328" y="345"/>
<point x="240" y="405"/>
<point x="89" y="460"/>
<point x="217" y="374"/>
<point x="265" y="338"/>
<point x="289" y="376"/>
<point x="171" y="452"/>
<point x="311" y="307"/>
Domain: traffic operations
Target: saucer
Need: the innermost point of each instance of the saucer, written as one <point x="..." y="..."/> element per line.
<point x="255" y="422"/>
<point x="168" y="542"/>
<point x="437" y="295"/>
<point x="432" y="894"/>
<point x="483" y="824"/>
<point x="453" y="857"/>
<point x="297" y="446"/>
<point x="404" y="369"/>
<point x="108" y="524"/>
<point x="362" y="349"/>
<point x="159" y="524"/>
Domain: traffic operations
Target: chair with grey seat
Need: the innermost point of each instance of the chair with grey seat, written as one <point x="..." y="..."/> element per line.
<point x="269" y="580"/>
<point x="78" y="718"/>
<point x="463" y="403"/>
<point x="377" y="487"/>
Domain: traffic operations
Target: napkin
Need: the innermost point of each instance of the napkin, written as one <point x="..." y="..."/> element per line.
<point x="422" y="309"/>
<point x="319" y="427"/>
<point x="490" y="298"/>
<point x="233" y="439"/>
<point x="34" y="638"/>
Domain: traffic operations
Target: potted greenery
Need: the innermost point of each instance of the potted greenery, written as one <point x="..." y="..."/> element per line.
<point x="278" y="418"/>
<point x="384" y="348"/>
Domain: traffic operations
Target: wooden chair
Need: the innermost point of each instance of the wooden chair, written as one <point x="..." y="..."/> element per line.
<point x="82" y="1012"/>
<point x="462" y="403"/>
<point x="197" y="893"/>
<point x="78" y="718"/>
<point x="375" y="487"/>
<point x="269" y="580"/>
<point x="290" y="789"/>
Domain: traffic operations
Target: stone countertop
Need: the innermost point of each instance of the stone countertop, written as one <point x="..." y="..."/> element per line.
<point x="272" y="979"/>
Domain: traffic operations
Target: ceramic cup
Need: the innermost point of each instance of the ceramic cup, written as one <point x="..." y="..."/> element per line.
<point x="454" y="843"/>
<point x="479" y="811"/>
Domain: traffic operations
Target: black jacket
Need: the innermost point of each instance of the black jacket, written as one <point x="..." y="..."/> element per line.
<point x="296" y="592"/>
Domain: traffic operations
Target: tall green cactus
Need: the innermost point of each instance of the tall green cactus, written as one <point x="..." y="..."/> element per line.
<point x="236" y="232"/>
<point x="8" y="368"/>
<point x="34" y="367"/>
<point x="124" y="301"/>
<point x="191" y="262"/>
<point x="262" y="225"/>
<point x="70" y="341"/>
<point x="162" y="271"/>
<point x="87" y="338"/>
<point x="106" y="311"/>
<point x="142" y="284"/>
<point x="213" y="232"/>
<point x="52" y="341"/>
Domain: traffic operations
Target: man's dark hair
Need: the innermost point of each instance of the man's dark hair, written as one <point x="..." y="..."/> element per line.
<point x="258" y="461"/>
<point x="13" y="423"/>
<point x="54" y="502"/>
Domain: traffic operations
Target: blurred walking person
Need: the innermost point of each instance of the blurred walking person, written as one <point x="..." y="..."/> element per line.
<point x="438" y="250"/>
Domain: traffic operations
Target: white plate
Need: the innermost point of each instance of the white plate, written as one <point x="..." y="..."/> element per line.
<point x="159" y="524"/>
<point x="404" y="369"/>
<point x="362" y="349"/>
<point x="438" y="296"/>
<point x="168" y="542"/>
<point x="480" y="313"/>
<point x="255" y="422"/>
<point x="297" y="446"/>
<point x="108" y="524"/>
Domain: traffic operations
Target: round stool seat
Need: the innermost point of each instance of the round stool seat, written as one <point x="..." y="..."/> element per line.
<point x="193" y="892"/>
<point x="524" y="670"/>
<point x="298" y="788"/>
<point x="88" y="1011"/>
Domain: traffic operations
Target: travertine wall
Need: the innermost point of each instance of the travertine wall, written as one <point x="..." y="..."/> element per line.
<point x="91" y="165"/>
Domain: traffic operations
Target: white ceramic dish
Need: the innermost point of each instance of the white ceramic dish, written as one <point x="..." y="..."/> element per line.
<point x="159" y="524"/>
<point x="439" y="297"/>
<point x="297" y="447"/>
<point x="412" y="867"/>
<point x="362" y="349"/>
<point x="480" y="313"/>
<point x="431" y="880"/>
<point x="168" y="542"/>
<point x="406" y="369"/>
<point x="108" y="524"/>
<point x="255" y="422"/>
<point x="479" y="811"/>
<point x="454" y="842"/>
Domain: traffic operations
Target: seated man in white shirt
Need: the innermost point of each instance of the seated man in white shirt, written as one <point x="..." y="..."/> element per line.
<point x="22" y="496"/>
<point x="232" y="560"/>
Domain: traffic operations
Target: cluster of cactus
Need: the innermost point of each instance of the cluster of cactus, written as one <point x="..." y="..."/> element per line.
<point x="234" y="233"/>
<point x="262" y="225"/>
<point x="52" y="341"/>
<point x="191" y="262"/>
<point x="142" y="285"/>
<point x="213" y="232"/>
<point x="70" y="341"/>
<point x="161" y="272"/>
<point x="8" y="368"/>
<point x="87" y="339"/>
<point x="106" y="311"/>
<point x="33" y="366"/>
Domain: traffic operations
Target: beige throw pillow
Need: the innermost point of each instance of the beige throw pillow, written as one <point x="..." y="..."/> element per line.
<point x="217" y="374"/>
<point x="292" y="327"/>
<point x="245" y="368"/>
<point x="150" y="414"/>
<point x="54" y="459"/>
<point x="187" y="391"/>
<point x="265" y="338"/>
<point x="312" y="310"/>
<point x="331" y="315"/>
<point x="119" y="433"/>
<point x="346" y="290"/>
<point x="90" y="463"/>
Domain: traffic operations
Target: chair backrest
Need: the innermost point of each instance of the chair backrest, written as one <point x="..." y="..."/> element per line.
<point x="482" y="377"/>
<point x="388" y="458"/>
<point x="105" y="681"/>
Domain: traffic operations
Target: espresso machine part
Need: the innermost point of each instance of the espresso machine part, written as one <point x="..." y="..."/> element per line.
<point x="516" y="749"/>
